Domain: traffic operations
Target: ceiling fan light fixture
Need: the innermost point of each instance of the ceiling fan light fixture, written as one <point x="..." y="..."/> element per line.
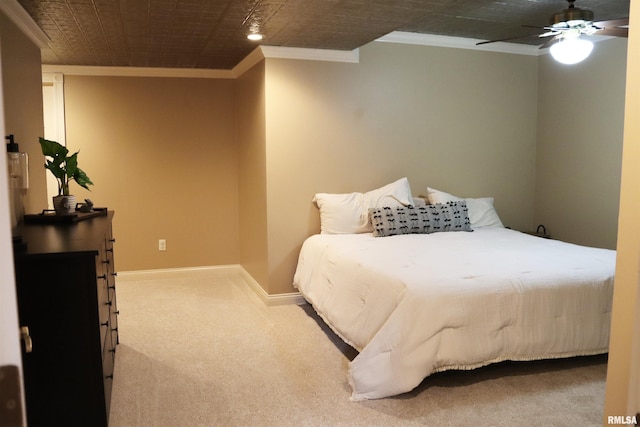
<point x="571" y="14"/>
<point x="571" y="50"/>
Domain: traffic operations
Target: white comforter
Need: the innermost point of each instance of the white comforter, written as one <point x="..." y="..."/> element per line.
<point x="417" y="304"/>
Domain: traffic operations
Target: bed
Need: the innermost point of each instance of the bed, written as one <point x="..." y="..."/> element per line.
<point x="418" y="303"/>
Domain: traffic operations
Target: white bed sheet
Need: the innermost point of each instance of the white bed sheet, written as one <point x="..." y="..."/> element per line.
<point x="413" y="305"/>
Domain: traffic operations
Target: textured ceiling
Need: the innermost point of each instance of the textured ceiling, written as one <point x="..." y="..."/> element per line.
<point x="211" y="34"/>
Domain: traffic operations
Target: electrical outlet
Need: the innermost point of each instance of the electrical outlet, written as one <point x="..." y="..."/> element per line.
<point x="162" y="245"/>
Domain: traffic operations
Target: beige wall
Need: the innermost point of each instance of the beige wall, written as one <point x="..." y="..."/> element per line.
<point x="623" y="376"/>
<point x="21" y="115"/>
<point x="21" y="81"/>
<point x="252" y="187"/>
<point x="161" y="153"/>
<point x="579" y="150"/>
<point x="459" y="120"/>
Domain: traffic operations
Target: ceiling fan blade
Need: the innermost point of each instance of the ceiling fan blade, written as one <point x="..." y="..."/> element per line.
<point x="615" y="32"/>
<point x="550" y="42"/>
<point x="546" y="27"/>
<point x="550" y="33"/>
<point x="613" y="27"/>
<point x="612" y="23"/>
<point x="506" y="39"/>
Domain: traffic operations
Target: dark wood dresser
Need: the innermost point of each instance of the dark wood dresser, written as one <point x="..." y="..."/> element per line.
<point x="65" y="282"/>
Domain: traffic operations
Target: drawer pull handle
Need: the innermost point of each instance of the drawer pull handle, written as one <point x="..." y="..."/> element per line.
<point x="110" y="376"/>
<point x="103" y="277"/>
<point x="110" y="250"/>
<point x="106" y="261"/>
<point x="112" y="240"/>
<point x="104" y="323"/>
<point x="26" y="338"/>
<point x="114" y="274"/>
<point x="108" y="303"/>
<point x="116" y="312"/>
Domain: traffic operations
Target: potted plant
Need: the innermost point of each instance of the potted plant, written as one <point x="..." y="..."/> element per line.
<point x="65" y="169"/>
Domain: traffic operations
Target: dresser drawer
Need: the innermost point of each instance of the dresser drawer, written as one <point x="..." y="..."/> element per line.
<point x="104" y="309"/>
<point x="108" y="362"/>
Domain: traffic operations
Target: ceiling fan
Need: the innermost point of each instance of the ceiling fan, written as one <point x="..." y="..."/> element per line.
<point x="565" y="29"/>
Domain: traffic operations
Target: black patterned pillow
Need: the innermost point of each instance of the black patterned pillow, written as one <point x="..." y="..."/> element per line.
<point x="391" y="221"/>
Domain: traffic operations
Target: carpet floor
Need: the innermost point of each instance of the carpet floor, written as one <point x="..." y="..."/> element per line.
<point x="201" y="349"/>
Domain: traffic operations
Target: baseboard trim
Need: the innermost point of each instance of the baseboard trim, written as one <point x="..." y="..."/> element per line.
<point x="167" y="272"/>
<point x="268" y="299"/>
<point x="271" y="299"/>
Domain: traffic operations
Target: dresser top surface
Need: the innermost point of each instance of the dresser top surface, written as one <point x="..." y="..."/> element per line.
<point x="85" y="236"/>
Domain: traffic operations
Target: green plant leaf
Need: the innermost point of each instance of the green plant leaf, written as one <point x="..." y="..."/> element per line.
<point x="55" y="169"/>
<point x="71" y="164"/>
<point x="53" y="149"/>
<point x="82" y="179"/>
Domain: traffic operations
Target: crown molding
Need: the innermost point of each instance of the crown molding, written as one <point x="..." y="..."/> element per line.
<point x="460" y="43"/>
<point x="257" y="55"/>
<point x="21" y="18"/>
<point x="249" y="61"/>
<point x="283" y="52"/>
<point x="84" y="70"/>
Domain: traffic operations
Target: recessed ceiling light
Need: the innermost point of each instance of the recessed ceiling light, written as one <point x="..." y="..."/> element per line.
<point x="254" y="37"/>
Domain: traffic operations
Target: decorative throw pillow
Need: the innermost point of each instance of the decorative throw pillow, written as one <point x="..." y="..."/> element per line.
<point x="392" y="221"/>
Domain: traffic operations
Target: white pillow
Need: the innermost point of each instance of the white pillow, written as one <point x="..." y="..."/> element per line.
<point x="419" y="201"/>
<point x="349" y="213"/>
<point x="482" y="214"/>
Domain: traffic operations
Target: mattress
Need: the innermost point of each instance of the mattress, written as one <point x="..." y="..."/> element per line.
<point x="417" y="304"/>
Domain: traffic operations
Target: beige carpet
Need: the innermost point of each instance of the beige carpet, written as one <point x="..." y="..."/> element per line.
<point x="202" y="350"/>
